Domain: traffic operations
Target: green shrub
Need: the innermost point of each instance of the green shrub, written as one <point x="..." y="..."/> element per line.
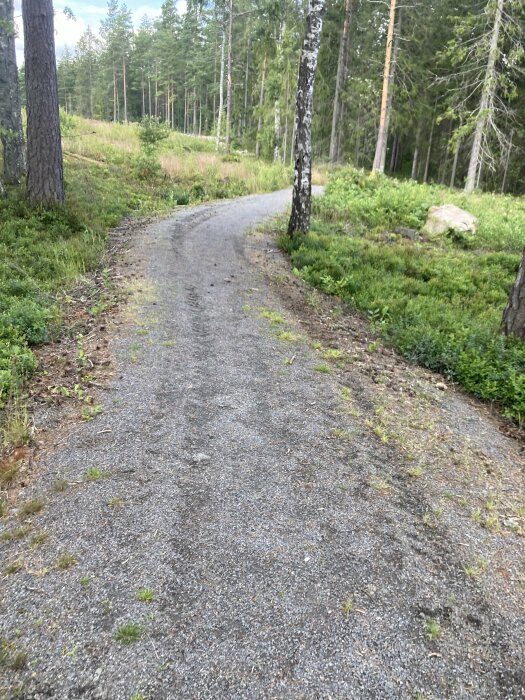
<point x="439" y="303"/>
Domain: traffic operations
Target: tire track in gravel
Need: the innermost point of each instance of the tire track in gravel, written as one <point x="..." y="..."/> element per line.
<point x="279" y="571"/>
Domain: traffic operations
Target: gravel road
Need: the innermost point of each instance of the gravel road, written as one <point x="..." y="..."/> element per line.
<point x="276" y="568"/>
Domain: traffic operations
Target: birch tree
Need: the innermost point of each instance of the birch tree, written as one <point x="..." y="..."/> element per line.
<point x="11" y="133"/>
<point x="302" y="189"/>
<point x="45" y="170"/>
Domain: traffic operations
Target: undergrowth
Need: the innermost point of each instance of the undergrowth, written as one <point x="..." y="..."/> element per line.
<point x="43" y="252"/>
<point x="439" y="303"/>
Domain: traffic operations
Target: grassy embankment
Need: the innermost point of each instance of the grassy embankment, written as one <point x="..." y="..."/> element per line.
<point x="43" y="253"/>
<point x="438" y="302"/>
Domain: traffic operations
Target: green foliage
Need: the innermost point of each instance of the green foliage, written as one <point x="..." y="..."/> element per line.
<point x="437" y="303"/>
<point x="108" y="177"/>
<point x="151" y="132"/>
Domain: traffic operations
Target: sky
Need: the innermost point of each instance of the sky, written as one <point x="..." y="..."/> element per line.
<point x="68" y="32"/>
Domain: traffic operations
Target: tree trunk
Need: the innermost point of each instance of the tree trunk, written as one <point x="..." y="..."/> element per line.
<point x="229" y="82"/>
<point x="507" y="160"/>
<point x="125" y="89"/>
<point x="302" y="189"/>
<point x="429" y="150"/>
<point x="413" y="174"/>
<point x="260" y="118"/>
<point x="342" y="68"/>
<point x="486" y="103"/>
<point x="221" y="96"/>
<point x="514" y="314"/>
<point x="11" y="131"/>
<point x="114" y="95"/>
<point x="382" y="136"/>
<point x="45" y="170"/>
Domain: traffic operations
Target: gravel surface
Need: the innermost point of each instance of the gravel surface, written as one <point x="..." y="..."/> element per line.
<point x="277" y="570"/>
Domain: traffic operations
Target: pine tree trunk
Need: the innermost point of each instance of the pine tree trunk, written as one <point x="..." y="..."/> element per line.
<point x="302" y="189"/>
<point x="429" y="150"/>
<point x="221" y="96"/>
<point x="261" y="104"/>
<point x="11" y="132"/>
<point x="229" y="82"/>
<point x="277" y="131"/>
<point x="415" y="158"/>
<point x="507" y="160"/>
<point x="45" y="170"/>
<point x="342" y="68"/>
<point x="114" y="95"/>
<point x="382" y="136"/>
<point x="514" y="314"/>
<point x="486" y="103"/>
<point x="125" y="89"/>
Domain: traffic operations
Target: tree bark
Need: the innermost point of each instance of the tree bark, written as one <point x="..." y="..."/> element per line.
<point x="302" y="189"/>
<point x="221" y="96"/>
<point x="342" y="69"/>
<point x="429" y="150"/>
<point x="261" y="104"/>
<point x="415" y="158"/>
<point x="487" y="99"/>
<point x="382" y="136"/>
<point x="11" y="131"/>
<point x="125" y="88"/>
<point x="507" y="161"/>
<point x="45" y="170"/>
<point x="229" y="82"/>
<point x="514" y="314"/>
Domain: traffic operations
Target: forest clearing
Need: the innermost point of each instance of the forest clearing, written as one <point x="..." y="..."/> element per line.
<point x="262" y="356"/>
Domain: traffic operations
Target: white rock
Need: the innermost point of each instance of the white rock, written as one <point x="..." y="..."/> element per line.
<point x="447" y="218"/>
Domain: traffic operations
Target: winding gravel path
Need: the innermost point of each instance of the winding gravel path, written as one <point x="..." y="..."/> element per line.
<point x="276" y="571"/>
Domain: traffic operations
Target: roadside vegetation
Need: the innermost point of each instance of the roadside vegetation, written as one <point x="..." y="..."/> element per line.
<point x="439" y="302"/>
<point x="110" y="174"/>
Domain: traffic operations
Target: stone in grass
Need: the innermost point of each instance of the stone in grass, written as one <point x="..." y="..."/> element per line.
<point x="449" y="219"/>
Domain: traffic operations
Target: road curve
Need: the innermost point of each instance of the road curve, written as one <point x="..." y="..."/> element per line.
<point x="275" y="571"/>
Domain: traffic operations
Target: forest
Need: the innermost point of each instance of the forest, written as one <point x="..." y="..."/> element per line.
<point x="453" y="112"/>
<point x="262" y="349"/>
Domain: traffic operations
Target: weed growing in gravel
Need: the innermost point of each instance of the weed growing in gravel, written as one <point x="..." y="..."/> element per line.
<point x="323" y="369"/>
<point x="66" y="561"/>
<point x="90" y="412"/>
<point x="288" y="337"/>
<point x="333" y="354"/>
<point x="14" y="566"/>
<point x="475" y="570"/>
<point x="16" y="430"/>
<point x="60" y="485"/>
<point x="94" y="474"/>
<point x="7" y="477"/>
<point x="415" y="471"/>
<point x="433" y="629"/>
<point x="145" y="595"/>
<point x="31" y="507"/>
<point x="84" y="581"/>
<point x="11" y="657"/>
<point x="168" y="343"/>
<point x="342" y="434"/>
<point x="129" y="633"/>
<point x="138" y="696"/>
<point x="348" y="606"/>
<point x="18" y="533"/>
<point x="115" y="502"/>
<point x="346" y="394"/>
<point x="274" y="317"/>
<point x="38" y="539"/>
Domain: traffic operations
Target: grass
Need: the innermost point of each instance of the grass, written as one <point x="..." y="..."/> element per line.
<point x="95" y="474"/>
<point x="31" y="507"/>
<point x="433" y="629"/>
<point x="439" y="302"/>
<point x="44" y="252"/>
<point x="129" y="633"/>
<point x="145" y="595"/>
<point x="66" y="561"/>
